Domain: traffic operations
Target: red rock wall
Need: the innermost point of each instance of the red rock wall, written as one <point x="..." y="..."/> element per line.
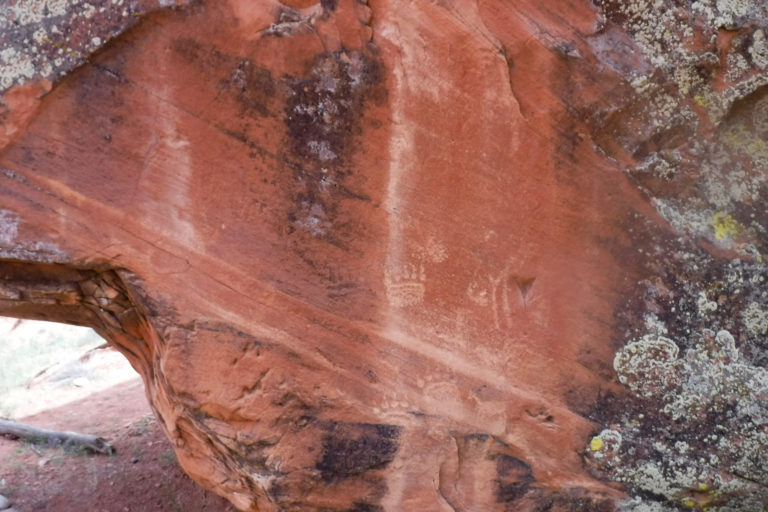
<point x="396" y="255"/>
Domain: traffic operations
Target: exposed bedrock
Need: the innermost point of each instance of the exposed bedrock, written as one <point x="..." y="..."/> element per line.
<point x="392" y="255"/>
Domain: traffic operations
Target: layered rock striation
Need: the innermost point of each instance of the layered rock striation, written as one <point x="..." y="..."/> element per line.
<point x="388" y="255"/>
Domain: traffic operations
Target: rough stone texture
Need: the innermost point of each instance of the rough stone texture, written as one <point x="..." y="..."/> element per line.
<point x="396" y="255"/>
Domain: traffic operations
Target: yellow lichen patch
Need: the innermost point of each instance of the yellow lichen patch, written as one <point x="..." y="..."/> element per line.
<point x="742" y="139"/>
<point x="701" y="100"/>
<point x="688" y="502"/>
<point x="703" y="487"/>
<point x="725" y="225"/>
<point x="596" y="444"/>
<point x="756" y="147"/>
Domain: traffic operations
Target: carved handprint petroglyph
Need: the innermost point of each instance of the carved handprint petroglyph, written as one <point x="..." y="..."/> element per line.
<point x="406" y="286"/>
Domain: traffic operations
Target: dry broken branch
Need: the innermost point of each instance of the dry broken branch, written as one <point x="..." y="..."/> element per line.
<point x="36" y="434"/>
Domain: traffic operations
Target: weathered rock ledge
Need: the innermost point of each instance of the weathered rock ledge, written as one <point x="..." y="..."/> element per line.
<point x="391" y="255"/>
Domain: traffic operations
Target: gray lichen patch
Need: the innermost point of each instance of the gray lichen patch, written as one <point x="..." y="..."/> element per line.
<point x="9" y="227"/>
<point x="701" y="440"/>
<point x="679" y="46"/>
<point x="12" y="248"/>
<point x="45" y="39"/>
<point x="691" y="429"/>
<point x="323" y="117"/>
<point x="694" y="116"/>
<point x="713" y="188"/>
<point x="689" y="291"/>
<point x="290" y="22"/>
<point x="648" y="365"/>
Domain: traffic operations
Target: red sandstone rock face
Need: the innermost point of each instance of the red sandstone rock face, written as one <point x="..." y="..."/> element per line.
<point x="384" y="255"/>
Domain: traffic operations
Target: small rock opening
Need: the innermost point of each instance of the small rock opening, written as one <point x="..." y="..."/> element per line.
<point x="95" y="297"/>
<point x="46" y="365"/>
<point x="95" y="304"/>
<point x="72" y="340"/>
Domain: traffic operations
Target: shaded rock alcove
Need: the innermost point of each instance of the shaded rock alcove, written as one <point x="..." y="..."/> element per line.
<point x="388" y="255"/>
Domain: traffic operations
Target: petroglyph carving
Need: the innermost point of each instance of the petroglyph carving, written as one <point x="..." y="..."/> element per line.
<point x="502" y="292"/>
<point x="432" y="251"/>
<point x="406" y="286"/>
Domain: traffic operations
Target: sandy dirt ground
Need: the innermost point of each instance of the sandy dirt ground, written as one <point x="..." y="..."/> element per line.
<point x="96" y="393"/>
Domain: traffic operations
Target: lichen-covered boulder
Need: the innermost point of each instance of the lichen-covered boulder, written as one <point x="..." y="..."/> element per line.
<point x="389" y="255"/>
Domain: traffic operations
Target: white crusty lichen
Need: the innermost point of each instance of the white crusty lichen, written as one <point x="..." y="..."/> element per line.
<point x="716" y="459"/>
<point x="638" y="505"/>
<point x="654" y="325"/>
<point x="669" y="39"/>
<point x="684" y="219"/>
<point x="759" y="49"/>
<point x="728" y="13"/>
<point x="657" y="166"/>
<point x="685" y="45"/>
<point x="44" y="39"/>
<point x="25" y="50"/>
<point x="755" y="319"/>
<point x="35" y="11"/>
<point x="705" y="306"/>
<point x="649" y="358"/>
<point x="13" y="248"/>
<point x="727" y="181"/>
<point x="9" y="227"/>
<point x="694" y="425"/>
<point x="606" y="447"/>
<point x="15" y="67"/>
